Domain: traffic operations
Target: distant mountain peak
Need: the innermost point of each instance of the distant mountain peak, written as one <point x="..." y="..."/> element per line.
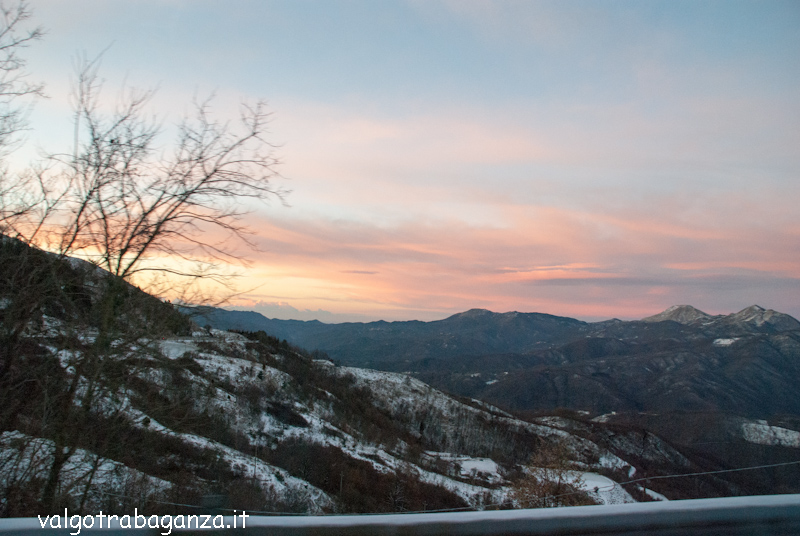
<point x="473" y="313"/>
<point x="753" y="310"/>
<point x="683" y="314"/>
<point x="754" y="316"/>
<point x="759" y="316"/>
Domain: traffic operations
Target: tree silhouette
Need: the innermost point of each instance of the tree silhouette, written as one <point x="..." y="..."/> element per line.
<point x="550" y="480"/>
<point x="127" y="203"/>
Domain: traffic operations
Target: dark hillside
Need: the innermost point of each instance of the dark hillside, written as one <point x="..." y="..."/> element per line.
<point x="395" y="345"/>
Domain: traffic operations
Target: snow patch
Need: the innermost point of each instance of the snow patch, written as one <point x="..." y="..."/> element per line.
<point x="604" y="418"/>
<point x="175" y="348"/>
<point x="603" y="489"/>
<point x="612" y="461"/>
<point x="482" y="469"/>
<point x="654" y="495"/>
<point x="761" y="433"/>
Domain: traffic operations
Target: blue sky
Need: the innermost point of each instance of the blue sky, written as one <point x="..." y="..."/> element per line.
<point x="590" y="159"/>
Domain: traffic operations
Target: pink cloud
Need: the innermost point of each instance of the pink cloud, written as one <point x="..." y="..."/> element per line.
<point x="543" y="259"/>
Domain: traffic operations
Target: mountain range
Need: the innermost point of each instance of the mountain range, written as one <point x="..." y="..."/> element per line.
<point x="681" y="359"/>
<point x="692" y="378"/>
<point x="482" y="332"/>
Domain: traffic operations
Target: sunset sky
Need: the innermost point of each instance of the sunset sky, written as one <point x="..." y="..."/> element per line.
<point x="591" y="159"/>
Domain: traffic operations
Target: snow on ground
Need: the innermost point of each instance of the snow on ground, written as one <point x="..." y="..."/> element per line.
<point x="654" y="494"/>
<point x="604" y="490"/>
<point x="268" y="475"/>
<point x="175" y="348"/>
<point x="553" y="421"/>
<point x="612" y="461"/>
<point x="480" y="466"/>
<point x="474" y="495"/>
<point x="236" y="370"/>
<point x="763" y="434"/>
<point x="484" y="469"/>
<point x="398" y="390"/>
<point x="725" y="342"/>
<point x="233" y="371"/>
<point x="490" y="408"/>
<point x="319" y="430"/>
<point x="648" y="446"/>
<point x="230" y="339"/>
<point x="396" y="387"/>
<point x="23" y="458"/>
<point x="385" y="462"/>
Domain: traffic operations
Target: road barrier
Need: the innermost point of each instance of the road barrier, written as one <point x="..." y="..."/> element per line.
<point x="754" y="515"/>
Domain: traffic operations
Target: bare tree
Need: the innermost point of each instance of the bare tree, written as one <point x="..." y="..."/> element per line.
<point x="115" y="199"/>
<point x="130" y="209"/>
<point x="15" y="88"/>
<point x="126" y="205"/>
<point x="550" y="480"/>
<point x="15" y="200"/>
<point x="14" y="83"/>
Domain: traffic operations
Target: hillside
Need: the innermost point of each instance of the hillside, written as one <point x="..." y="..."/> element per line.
<point x="748" y="372"/>
<point x="113" y="399"/>
<point x="680" y="360"/>
<point x="703" y="382"/>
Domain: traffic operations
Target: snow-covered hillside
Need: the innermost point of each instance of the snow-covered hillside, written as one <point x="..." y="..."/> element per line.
<point x="272" y="400"/>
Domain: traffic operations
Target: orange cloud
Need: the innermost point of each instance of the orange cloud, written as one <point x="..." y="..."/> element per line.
<point x="541" y="259"/>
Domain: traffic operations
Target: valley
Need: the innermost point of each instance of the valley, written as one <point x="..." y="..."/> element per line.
<point x="702" y="382"/>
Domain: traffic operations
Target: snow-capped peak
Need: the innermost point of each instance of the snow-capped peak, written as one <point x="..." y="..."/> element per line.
<point x="760" y="316"/>
<point x="683" y="314"/>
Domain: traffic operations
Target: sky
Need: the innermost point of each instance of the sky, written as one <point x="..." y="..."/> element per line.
<point x="591" y="159"/>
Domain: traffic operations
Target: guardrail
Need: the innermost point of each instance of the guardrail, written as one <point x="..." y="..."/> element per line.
<point x="754" y="515"/>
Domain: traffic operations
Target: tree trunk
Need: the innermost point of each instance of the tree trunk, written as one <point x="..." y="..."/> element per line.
<point x="60" y="456"/>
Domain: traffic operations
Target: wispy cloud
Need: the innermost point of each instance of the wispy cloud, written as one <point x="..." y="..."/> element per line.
<point x="589" y="159"/>
<point x="541" y="259"/>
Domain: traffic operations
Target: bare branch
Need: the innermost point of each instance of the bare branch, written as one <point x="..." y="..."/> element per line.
<point x="13" y="78"/>
<point x="117" y="202"/>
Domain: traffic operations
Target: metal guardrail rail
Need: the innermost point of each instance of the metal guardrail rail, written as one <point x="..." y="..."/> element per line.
<point x="754" y="515"/>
